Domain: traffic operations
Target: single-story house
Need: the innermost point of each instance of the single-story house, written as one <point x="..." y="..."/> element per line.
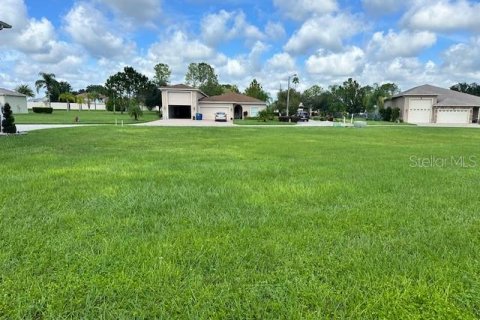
<point x="430" y="104"/>
<point x="184" y="102"/>
<point x="16" y="100"/>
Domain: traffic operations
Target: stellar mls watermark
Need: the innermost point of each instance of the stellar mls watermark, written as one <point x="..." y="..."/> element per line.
<point x="467" y="162"/>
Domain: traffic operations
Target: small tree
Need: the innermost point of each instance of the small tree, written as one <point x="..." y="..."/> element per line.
<point x="8" y="122"/>
<point x="135" y="111"/>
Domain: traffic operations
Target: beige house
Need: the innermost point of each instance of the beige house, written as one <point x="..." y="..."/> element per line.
<point x="184" y="102"/>
<point x="16" y="100"/>
<point x="430" y="104"/>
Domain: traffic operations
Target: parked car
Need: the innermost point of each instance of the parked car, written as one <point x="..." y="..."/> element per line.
<point x="303" y="116"/>
<point x="221" y="116"/>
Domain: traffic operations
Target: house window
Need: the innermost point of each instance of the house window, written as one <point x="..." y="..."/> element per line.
<point x="254" y="111"/>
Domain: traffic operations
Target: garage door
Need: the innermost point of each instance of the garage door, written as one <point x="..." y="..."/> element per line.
<point x="420" y="111"/>
<point x="453" y="116"/>
<point x="209" y="112"/>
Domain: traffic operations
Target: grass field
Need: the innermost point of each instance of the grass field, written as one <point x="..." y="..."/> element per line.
<point x="199" y="223"/>
<point x="85" y="116"/>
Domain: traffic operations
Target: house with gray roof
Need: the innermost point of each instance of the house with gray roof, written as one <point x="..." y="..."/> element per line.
<point x="16" y="100"/>
<point x="184" y="102"/>
<point x="430" y="104"/>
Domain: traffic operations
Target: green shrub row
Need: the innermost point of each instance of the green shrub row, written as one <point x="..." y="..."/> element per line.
<point x="42" y="110"/>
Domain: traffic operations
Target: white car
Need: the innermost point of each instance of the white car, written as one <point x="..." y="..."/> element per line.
<point x="220" y="116"/>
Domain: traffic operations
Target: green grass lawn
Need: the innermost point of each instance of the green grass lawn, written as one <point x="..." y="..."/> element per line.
<point x="377" y="123"/>
<point x="251" y="122"/>
<point x="239" y="223"/>
<point x="85" y="116"/>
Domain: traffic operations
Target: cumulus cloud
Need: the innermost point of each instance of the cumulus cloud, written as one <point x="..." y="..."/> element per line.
<point x="462" y="59"/>
<point x="346" y="63"/>
<point x="301" y="9"/>
<point x="275" y="31"/>
<point x="227" y="25"/>
<point x="325" y="32"/>
<point x="382" y="7"/>
<point x="281" y="62"/>
<point x="444" y="16"/>
<point x="403" y="44"/>
<point x="140" y="11"/>
<point x="89" y="27"/>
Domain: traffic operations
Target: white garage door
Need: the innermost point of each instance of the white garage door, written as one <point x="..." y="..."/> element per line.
<point x="209" y="112"/>
<point x="420" y="111"/>
<point x="453" y="116"/>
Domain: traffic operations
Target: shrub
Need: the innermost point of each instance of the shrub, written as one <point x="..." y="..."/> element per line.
<point x="135" y="111"/>
<point x="8" y="122"/>
<point x="119" y="103"/>
<point x="251" y="118"/>
<point x="42" y="110"/>
<point x="286" y="119"/>
<point x="395" y="114"/>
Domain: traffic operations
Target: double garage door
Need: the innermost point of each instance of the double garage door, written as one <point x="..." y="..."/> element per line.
<point x="209" y="112"/>
<point x="453" y="115"/>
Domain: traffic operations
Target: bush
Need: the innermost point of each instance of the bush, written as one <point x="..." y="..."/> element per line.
<point x="8" y="122"/>
<point x="120" y="104"/>
<point x="395" y="114"/>
<point x="42" y="110"/>
<point x="293" y="119"/>
<point x="251" y="118"/>
<point x="135" y="111"/>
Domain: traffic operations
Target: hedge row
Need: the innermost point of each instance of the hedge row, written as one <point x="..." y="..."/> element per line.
<point x="42" y="110"/>
<point x="285" y="119"/>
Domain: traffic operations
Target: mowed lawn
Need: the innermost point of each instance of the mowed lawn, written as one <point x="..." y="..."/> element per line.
<point x="85" y="117"/>
<point x="251" y="223"/>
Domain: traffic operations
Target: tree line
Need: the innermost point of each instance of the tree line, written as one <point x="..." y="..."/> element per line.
<point x="128" y="89"/>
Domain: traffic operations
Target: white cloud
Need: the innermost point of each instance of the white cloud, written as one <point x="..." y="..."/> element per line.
<point x="444" y="16"/>
<point x="326" y="32"/>
<point x="382" y="7"/>
<point x="301" y="9"/>
<point x="89" y="27"/>
<point x="281" y="62"/>
<point x="462" y="59"/>
<point x="27" y="35"/>
<point x="227" y="25"/>
<point x="404" y="44"/>
<point x="140" y="11"/>
<point x="346" y="63"/>
<point x="275" y="31"/>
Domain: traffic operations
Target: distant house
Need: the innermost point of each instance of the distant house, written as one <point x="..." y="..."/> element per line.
<point x="183" y="102"/>
<point x="16" y="100"/>
<point x="430" y="104"/>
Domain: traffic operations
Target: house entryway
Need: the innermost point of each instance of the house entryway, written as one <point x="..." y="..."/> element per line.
<point x="476" y="115"/>
<point x="238" y="112"/>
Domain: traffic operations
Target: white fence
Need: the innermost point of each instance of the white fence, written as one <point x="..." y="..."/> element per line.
<point x="63" y="105"/>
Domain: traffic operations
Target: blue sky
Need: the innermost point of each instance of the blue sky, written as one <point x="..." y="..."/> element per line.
<point x="409" y="42"/>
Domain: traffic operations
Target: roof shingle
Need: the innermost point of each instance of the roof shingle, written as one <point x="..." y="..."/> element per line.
<point x="6" y="92"/>
<point x="445" y="97"/>
<point x="232" y="97"/>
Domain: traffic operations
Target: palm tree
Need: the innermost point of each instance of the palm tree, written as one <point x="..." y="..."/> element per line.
<point x="25" y="89"/>
<point x="94" y="95"/>
<point x="80" y="101"/>
<point x="46" y="82"/>
<point x="67" y="97"/>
